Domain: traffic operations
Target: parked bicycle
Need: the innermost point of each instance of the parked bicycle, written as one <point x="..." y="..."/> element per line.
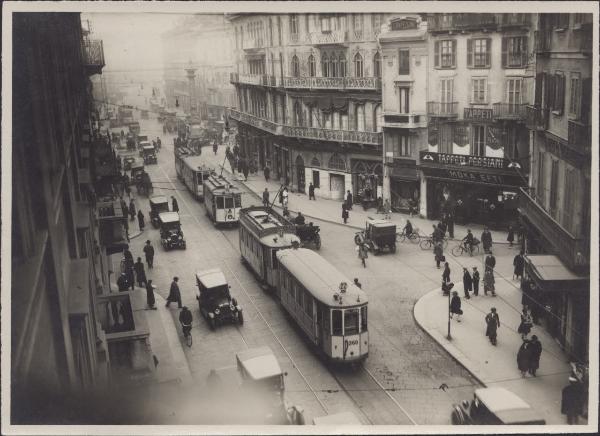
<point x="414" y="237"/>
<point x="462" y="248"/>
<point x="428" y="244"/>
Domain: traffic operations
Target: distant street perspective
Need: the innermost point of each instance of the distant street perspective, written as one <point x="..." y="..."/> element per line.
<point x="332" y="219"/>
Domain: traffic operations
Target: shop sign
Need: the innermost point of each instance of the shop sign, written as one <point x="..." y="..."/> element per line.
<point x="427" y="158"/>
<point x="475" y="177"/>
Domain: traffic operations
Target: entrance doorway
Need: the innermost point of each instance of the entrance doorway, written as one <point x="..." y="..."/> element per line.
<point x="300" y="173"/>
<point x="336" y="186"/>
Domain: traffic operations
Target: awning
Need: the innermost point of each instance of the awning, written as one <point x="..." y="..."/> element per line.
<point x="401" y="173"/>
<point x="551" y="274"/>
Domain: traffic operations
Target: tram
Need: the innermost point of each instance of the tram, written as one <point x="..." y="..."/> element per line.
<point x="191" y="171"/>
<point x="223" y="200"/>
<point x="328" y="308"/>
<point x="263" y="231"/>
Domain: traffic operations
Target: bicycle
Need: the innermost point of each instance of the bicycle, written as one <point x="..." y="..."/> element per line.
<point x="428" y="244"/>
<point x="414" y="237"/>
<point x="461" y="248"/>
<point x="187" y="333"/>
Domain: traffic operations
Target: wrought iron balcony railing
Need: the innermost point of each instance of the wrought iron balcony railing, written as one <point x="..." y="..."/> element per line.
<point x="580" y="136"/>
<point x="353" y="83"/>
<point x="515" y="20"/>
<point x="509" y="111"/>
<point x="93" y="55"/>
<point x="327" y="38"/>
<point x="465" y="21"/>
<point x="543" y="41"/>
<point x="442" y="109"/>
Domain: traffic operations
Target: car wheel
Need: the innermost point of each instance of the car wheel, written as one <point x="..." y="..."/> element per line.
<point x="241" y="318"/>
<point x="455" y="418"/>
<point x="357" y="239"/>
<point x="456" y="251"/>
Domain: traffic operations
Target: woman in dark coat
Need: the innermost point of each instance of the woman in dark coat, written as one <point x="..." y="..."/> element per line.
<point x="519" y="264"/>
<point x="140" y="272"/>
<point x="150" y="300"/>
<point x="526" y="323"/>
<point x="455" y="306"/>
<point x="446" y="273"/>
<point x="523" y="357"/>
<point x="535" y="349"/>
<point x="131" y="210"/>
<point x="511" y="236"/>
<point x="140" y="217"/>
<point x="467" y="283"/>
<point x="438" y="252"/>
<point x="345" y="213"/>
<point x="492" y="321"/>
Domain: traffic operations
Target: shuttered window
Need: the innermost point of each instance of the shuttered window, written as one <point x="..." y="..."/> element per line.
<point x="514" y="52"/>
<point x="479" y="53"/>
<point x="404" y="61"/>
<point x="445" y="54"/>
<point x="586" y="100"/>
<point x="575" y="96"/>
<point x="558" y="102"/>
<point x="478" y="140"/>
<point x="404" y="93"/>
<point x="554" y="189"/>
<point x="479" y="90"/>
<point x="541" y="185"/>
<point x="570" y="196"/>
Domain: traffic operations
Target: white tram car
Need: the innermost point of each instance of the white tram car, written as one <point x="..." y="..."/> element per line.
<point x="191" y="171"/>
<point x="263" y="231"/>
<point x="328" y="308"/>
<point x="223" y="200"/>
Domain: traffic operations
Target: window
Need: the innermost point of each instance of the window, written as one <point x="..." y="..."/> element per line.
<point x="478" y="141"/>
<point x="293" y="25"/>
<point x="360" y="117"/>
<point x="358" y="65"/>
<point x="316" y="179"/>
<point x="376" y="22"/>
<point x="279" y="29"/>
<point x="274" y="261"/>
<point x="514" y="52"/>
<point x="404" y="61"/>
<point x="337" y="163"/>
<point x="479" y="90"/>
<point x="363" y="319"/>
<point x="336" y="322"/>
<point x="82" y="242"/>
<point x="228" y="202"/>
<point x="575" y="96"/>
<point x="541" y="187"/>
<point x="295" y="66"/>
<point x="357" y="22"/>
<point x="297" y="114"/>
<point x="236" y="37"/>
<point x="328" y="23"/>
<point x="554" y="189"/>
<point x="445" y="54"/>
<point x="514" y="92"/>
<point x="404" y="93"/>
<point x="238" y="200"/>
<point x="270" y="32"/>
<point x="400" y="145"/>
<point x="561" y="21"/>
<point x="351" y="322"/>
<point x="570" y="197"/>
<point x="312" y="70"/>
<point x="343" y="69"/>
<point x="220" y="202"/>
<point x="446" y="95"/>
<point x="377" y="119"/>
<point x="325" y="65"/>
<point x="479" y="53"/>
<point x="333" y="66"/>
<point x="377" y="65"/>
<point x="559" y="93"/>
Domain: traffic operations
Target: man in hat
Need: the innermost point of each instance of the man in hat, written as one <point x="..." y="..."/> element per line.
<point x="149" y="252"/>
<point x="493" y="323"/>
<point x="475" y="277"/>
<point x="571" y="404"/>
<point x="174" y="293"/>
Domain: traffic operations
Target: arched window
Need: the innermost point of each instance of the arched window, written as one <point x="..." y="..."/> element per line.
<point x="358" y="65"/>
<point x="325" y="65"/>
<point x="333" y="66"/>
<point x="337" y="163"/>
<point x="295" y="66"/>
<point x="315" y="162"/>
<point x="297" y="113"/>
<point x="377" y="118"/>
<point x="312" y="71"/>
<point x="377" y="65"/>
<point x="360" y="117"/>
<point x="343" y="68"/>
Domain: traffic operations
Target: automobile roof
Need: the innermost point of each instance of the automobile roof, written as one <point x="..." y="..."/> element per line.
<point x="137" y="164"/>
<point x="507" y="406"/>
<point x="321" y="278"/>
<point x="259" y="363"/>
<point x="381" y="223"/>
<point x="342" y="418"/>
<point x="169" y="217"/>
<point x="157" y="199"/>
<point x="148" y="147"/>
<point x="211" y="278"/>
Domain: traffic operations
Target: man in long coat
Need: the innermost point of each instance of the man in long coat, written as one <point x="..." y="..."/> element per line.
<point x="493" y="323"/>
<point x="174" y="294"/>
<point x="467" y="283"/>
<point x="519" y="264"/>
<point x="140" y="273"/>
<point x="535" y="348"/>
<point x="523" y="357"/>
<point x="572" y="401"/>
<point x="486" y="239"/>
<point x="150" y="300"/>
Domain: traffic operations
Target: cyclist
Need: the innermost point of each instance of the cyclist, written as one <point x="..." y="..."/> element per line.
<point x="408" y="229"/>
<point x="436" y="236"/>
<point x="468" y="241"/>
<point x="158" y="142"/>
<point x="185" y="319"/>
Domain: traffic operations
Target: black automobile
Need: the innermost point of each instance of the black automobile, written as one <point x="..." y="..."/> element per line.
<point x="309" y="235"/>
<point x="149" y="154"/>
<point x="378" y="235"/>
<point x="128" y="161"/>
<point x="214" y="299"/>
<point x="171" y="235"/>
<point x="158" y="204"/>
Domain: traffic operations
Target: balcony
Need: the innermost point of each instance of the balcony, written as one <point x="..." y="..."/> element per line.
<point x="338" y="83"/>
<point x="580" y="136"/>
<point x="515" y="20"/>
<point x="255" y="121"/>
<point x="458" y="22"/>
<point x="477" y="114"/>
<point x="404" y="121"/>
<point x="327" y="38"/>
<point x="372" y="138"/>
<point x="254" y="79"/>
<point x="250" y="79"/>
<point x="536" y="118"/>
<point x="442" y="109"/>
<point x="574" y="252"/>
<point x="93" y="56"/>
<point x="543" y="41"/>
<point x="508" y="111"/>
<point x="252" y="44"/>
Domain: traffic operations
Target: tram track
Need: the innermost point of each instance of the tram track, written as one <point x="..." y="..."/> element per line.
<point x="365" y="392"/>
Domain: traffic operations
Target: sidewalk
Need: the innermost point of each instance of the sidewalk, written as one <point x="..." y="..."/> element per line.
<point x="497" y="365"/>
<point x="331" y="210"/>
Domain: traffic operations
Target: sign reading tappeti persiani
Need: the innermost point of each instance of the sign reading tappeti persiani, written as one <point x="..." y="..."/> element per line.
<point x="437" y="159"/>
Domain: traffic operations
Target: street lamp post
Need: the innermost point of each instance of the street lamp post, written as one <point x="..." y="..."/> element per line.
<point x="449" y="337"/>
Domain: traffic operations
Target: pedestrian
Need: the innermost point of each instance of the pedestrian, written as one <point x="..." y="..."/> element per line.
<point x="150" y="300"/>
<point x="127" y="256"/>
<point x="149" y="252"/>
<point x="124" y="207"/>
<point x="245" y="171"/>
<point x="490" y="262"/>
<point x="363" y="253"/>
<point x="436" y="235"/>
<point x="523" y="357"/>
<point x="467" y="283"/>
<point x="140" y="216"/>
<point x="140" y="273"/>
<point x="122" y="282"/>
<point x="455" y="304"/>
<point x="488" y="283"/>
<point x="175" y="206"/>
<point x="284" y="197"/>
<point x="519" y="264"/>
<point x="174" y="293"/>
<point x="438" y="252"/>
<point x="511" y="236"/>
<point x="345" y="213"/>
<point x="475" y="276"/>
<point x="267" y="173"/>
<point x="535" y="349"/>
<point x="446" y="273"/>
<point x="349" y="199"/>
<point x="129" y="272"/>
<point x="572" y="401"/>
<point x="131" y="210"/>
<point x="215" y="147"/>
<point x="486" y="239"/>
<point x="311" y="191"/>
<point x="357" y="283"/>
<point x="526" y="323"/>
<point x="265" y="198"/>
<point x="492" y="321"/>
<point x="450" y="222"/>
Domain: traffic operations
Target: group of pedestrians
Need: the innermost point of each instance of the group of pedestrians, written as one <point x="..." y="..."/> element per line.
<point x="135" y="272"/>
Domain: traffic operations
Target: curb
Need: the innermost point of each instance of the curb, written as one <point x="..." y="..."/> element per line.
<point x="135" y="235"/>
<point x="456" y="359"/>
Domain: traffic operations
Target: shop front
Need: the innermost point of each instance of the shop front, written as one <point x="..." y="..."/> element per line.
<point x="367" y="180"/>
<point x="281" y="163"/>
<point x="404" y="185"/>
<point x="474" y="189"/>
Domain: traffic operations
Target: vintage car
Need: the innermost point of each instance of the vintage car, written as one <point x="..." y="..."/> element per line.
<point x="137" y="169"/>
<point x="128" y="161"/>
<point x="378" y="235"/>
<point x="309" y="235"/>
<point x="158" y="204"/>
<point x="149" y="154"/>
<point x="338" y="419"/>
<point x="214" y="299"/>
<point x="134" y="127"/>
<point x="141" y="146"/>
<point x="171" y="235"/>
<point x="494" y="406"/>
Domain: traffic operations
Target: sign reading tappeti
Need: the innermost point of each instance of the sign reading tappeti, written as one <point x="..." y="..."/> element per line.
<point x="436" y="159"/>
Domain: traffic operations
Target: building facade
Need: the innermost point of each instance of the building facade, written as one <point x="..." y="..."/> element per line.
<point x="404" y="96"/>
<point x="309" y="98"/>
<point x="480" y="76"/>
<point x="555" y="206"/>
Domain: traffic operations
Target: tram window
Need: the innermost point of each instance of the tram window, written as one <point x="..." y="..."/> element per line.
<point x="351" y="322"/>
<point x="274" y="259"/>
<point x="238" y="201"/>
<point x="199" y="179"/>
<point x="308" y="305"/>
<point x="336" y="322"/>
<point x="325" y="311"/>
<point x="299" y="292"/>
<point x="205" y="176"/>
<point x="219" y="202"/>
<point x="228" y="203"/>
<point x="363" y="319"/>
